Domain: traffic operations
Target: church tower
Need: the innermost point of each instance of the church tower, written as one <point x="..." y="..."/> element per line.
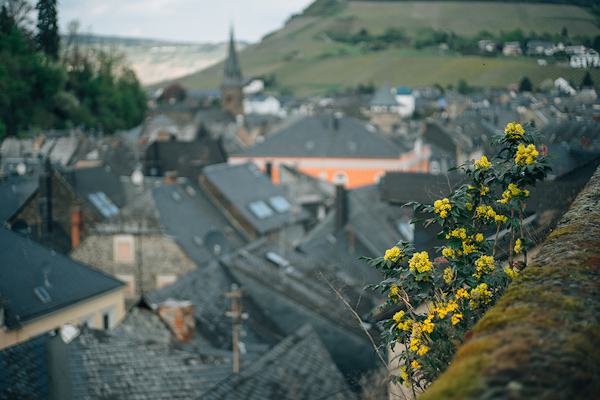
<point x="232" y="96"/>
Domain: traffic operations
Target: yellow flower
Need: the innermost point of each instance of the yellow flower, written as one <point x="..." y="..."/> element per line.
<point x="415" y="364"/>
<point x="448" y="275"/>
<point x="459" y="233"/>
<point x="500" y="219"/>
<point x="448" y="252"/>
<point x="484" y="190"/>
<point x="393" y="254"/>
<point x="526" y="155"/>
<point x="479" y="237"/>
<point x="513" y="131"/>
<point x="468" y="248"/>
<point x="422" y="350"/>
<point x="420" y="262"/>
<point x="398" y="316"/>
<point x="485" y="265"/>
<point x="518" y="247"/>
<point x="511" y="272"/>
<point x="480" y="295"/>
<point x="403" y="374"/>
<point x="469" y="206"/>
<point x="394" y="291"/>
<point x="483" y="163"/>
<point x="442" y="207"/>
<point x="415" y="342"/>
<point x="456" y="318"/>
<point x="485" y="212"/>
<point x="462" y="293"/>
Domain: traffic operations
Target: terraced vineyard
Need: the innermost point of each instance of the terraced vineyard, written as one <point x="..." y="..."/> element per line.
<point x="306" y="61"/>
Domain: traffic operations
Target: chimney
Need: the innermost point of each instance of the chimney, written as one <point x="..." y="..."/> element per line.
<point x="333" y="122"/>
<point x="170" y="177"/>
<point x="269" y="169"/>
<point x="178" y="315"/>
<point x="340" y="206"/>
<point x="59" y="373"/>
<point x="76" y="226"/>
<point x="45" y="200"/>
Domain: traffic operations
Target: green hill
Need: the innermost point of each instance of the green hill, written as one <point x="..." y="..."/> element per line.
<point x="306" y="60"/>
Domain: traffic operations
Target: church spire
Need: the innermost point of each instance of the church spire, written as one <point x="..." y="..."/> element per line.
<point x="232" y="75"/>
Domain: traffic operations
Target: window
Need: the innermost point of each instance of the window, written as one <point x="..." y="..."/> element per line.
<point x="124" y="248"/>
<point x="87" y="320"/>
<point x="164" y="280"/>
<point x="260" y="209"/>
<point x="108" y="317"/>
<point x="280" y="204"/>
<point x="129" y="289"/>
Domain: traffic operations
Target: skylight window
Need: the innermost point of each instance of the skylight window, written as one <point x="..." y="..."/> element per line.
<point x="105" y="205"/>
<point x="42" y="294"/>
<point x="280" y="204"/>
<point x="260" y="209"/>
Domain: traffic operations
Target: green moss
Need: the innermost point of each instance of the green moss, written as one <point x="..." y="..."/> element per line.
<point x="497" y="317"/>
<point x="565" y="230"/>
<point x="461" y="379"/>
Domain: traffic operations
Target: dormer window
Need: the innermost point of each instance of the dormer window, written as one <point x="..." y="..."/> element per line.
<point x="124" y="249"/>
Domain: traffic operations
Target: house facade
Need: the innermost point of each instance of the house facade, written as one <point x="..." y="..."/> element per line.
<point x="336" y="150"/>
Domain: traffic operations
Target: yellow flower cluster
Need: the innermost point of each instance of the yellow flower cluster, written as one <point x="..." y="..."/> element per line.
<point x="460" y="293"/>
<point x="483" y="163"/>
<point x="512" y="192"/>
<point x="422" y="350"/>
<point x="404" y="376"/>
<point x="448" y="275"/>
<point x="456" y="318"/>
<point x="468" y="247"/>
<point x="459" y="233"/>
<point x="415" y="364"/>
<point x="513" y="131"/>
<point x="518" y="247"/>
<point x="415" y="342"/>
<point x="394" y="291"/>
<point x="485" y="212"/>
<point x="483" y="190"/>
<point x="511" y="272"/>
<point x="398" y="316"/>
<point x="442" y="207"/>
<point x="448" y="252"/>
<point x="485" y="265"/>
<point x="526" y="155"/>
<point x="479" y="237"/>
<point x="444" y="310"/>
<point x="420" y="262"/>
<point x="480" y="295"/>
<point x="393" y="254"/>
<point x="469" y="206"/>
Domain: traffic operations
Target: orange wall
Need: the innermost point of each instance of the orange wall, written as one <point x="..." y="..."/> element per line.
<point x="359" y="172"/>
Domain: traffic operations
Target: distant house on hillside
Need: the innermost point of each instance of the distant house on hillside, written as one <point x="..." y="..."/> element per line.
<point x="268" y="105"/>
<point x="335" y="149"/>
<point x="589" y="59"/>
<point x="512" y="49"/>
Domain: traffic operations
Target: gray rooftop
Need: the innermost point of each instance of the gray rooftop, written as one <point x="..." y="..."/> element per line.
<point x="325" y="136"/>
<point x="299" y="367"/>
<point x="38" y="281"/>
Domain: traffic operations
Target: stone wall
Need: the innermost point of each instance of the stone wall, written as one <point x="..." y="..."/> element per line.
<point x="542" y="338"/>
<point x="154" y="255"/>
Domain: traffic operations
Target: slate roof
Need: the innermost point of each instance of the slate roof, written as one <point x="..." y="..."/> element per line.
<point x="187" y="158"/>
<point x="27" y="265"/>
<point x="15" y="190"/>
<point x="298" y="367"/>
<point x="325" y="136"/>
<point x="404" y="187"/>
<point x="384" y="97"/>
<point x="23" y="370"/>
<point x="194" y="221"/>
<point x="140" y="215"/>
<point x="106" y="365"/>
<point x="205" y="288"/>
<point x="301" y="279"/>
<point x="86" y="181"/>
<point x="243" y="185"/>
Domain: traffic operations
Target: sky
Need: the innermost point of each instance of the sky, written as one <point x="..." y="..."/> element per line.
<point x="201" y="21"/>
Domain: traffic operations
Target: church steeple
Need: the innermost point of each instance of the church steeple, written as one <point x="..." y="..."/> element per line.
<point x="232" y="96"/>
<point x="232" y="75"/>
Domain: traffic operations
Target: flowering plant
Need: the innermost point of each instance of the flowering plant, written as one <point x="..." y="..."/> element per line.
<point x="438" y="301"/>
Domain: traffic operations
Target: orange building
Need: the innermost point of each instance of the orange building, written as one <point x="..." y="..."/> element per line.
<point x="335" y="150"/>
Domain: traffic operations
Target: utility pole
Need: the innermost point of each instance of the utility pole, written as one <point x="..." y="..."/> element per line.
<point x="236" y="316"/>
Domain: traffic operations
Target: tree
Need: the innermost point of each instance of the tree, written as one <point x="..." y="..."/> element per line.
<point x="47" y="38"/>
<point x="18" y="11"/>
<point x="463" y="87"/>
<point x="525" y="85"/>
<point x="587" y="80"/>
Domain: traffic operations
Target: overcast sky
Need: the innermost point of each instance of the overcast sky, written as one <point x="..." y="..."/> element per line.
<point x="179" y="20"/>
